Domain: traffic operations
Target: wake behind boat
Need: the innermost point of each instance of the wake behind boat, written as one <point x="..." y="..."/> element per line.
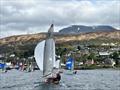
<point x="46" y="60"/>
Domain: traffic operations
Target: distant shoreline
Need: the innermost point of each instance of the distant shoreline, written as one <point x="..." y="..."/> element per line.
<point x="92" y="67"/>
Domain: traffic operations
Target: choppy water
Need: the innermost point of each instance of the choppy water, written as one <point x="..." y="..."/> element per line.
<point x="83" y="80"/>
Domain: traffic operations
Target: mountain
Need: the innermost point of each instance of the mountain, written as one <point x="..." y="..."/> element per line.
<point x="75" y="29"/>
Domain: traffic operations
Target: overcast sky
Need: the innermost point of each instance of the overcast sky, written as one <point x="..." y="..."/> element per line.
<point x="33" y="16"/>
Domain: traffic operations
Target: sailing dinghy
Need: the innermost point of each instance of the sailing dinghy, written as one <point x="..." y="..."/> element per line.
<point x="70" y="66"/>
<point x="45" y="54"/>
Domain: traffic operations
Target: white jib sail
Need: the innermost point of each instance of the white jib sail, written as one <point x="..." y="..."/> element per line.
<point x="39" y="54"/>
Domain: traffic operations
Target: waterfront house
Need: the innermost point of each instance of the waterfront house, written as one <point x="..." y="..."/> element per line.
<point x="90" y="62"/>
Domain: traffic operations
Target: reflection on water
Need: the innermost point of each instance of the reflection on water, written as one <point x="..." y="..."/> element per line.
<point x="84" y="79"/>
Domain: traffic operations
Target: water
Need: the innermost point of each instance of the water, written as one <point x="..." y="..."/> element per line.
<point x="84" y="80"/>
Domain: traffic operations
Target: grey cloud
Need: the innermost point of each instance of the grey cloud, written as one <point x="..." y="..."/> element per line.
<point x="35" y="14"/>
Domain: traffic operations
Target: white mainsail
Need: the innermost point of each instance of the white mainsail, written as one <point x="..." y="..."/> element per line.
<point x="48" y="54"/>
<point x="48" y="61"/>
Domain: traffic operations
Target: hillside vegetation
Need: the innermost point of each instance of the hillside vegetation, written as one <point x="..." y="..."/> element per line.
<point x="24" y="42"/>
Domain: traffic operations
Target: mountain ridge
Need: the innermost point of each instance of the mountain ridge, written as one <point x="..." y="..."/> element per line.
<point x="75" y="29"/>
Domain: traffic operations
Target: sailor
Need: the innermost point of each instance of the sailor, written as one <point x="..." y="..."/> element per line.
<point x="75" y="72"/>
<point x="58" y="77"/>
<point x="54" y="80"/>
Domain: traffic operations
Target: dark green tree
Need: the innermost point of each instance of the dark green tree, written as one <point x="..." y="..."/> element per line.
<point x="115" y="56"/>
<point x="84" y="58"/>
<point x="78" y="47"/>
<point x="92" y="56"/>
